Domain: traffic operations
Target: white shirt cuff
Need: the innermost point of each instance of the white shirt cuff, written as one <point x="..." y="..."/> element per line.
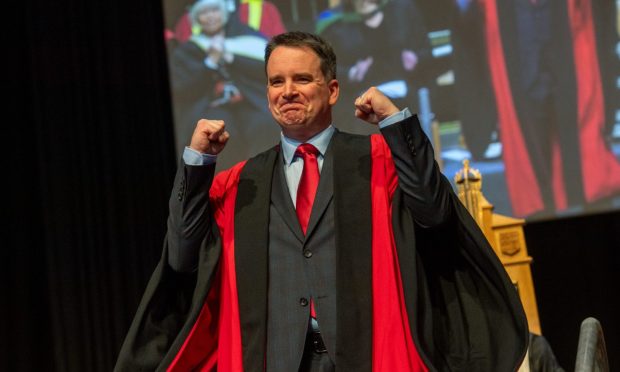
<point x="395" y="118"/>
<point x="193" y="157"/>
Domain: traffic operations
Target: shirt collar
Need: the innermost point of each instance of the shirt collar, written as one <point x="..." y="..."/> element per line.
<point x="320" y="141"/>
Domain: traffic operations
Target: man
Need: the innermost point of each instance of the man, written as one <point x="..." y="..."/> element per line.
<point x="387" y="273"/>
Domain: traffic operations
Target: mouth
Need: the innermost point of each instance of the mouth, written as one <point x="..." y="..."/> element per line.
<point x="289" y="106"/>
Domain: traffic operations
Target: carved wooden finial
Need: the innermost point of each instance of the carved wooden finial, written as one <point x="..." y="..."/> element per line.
<point x="469" y="190"/>
<point x="468" y="174"/>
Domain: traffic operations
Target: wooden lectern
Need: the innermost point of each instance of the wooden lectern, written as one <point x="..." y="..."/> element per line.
<point x="505" y="234"/>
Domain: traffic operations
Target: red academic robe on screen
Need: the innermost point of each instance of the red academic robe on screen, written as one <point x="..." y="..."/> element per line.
<point x="583" y="109"/>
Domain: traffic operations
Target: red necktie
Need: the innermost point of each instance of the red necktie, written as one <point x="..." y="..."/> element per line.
<point x="306" y="191"/>
<point x="307" y="183"/>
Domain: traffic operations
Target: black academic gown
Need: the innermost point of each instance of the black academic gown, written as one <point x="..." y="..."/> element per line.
<point x="464" y="313"/>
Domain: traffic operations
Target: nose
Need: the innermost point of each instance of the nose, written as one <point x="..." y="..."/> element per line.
<point x="290" y="90"/>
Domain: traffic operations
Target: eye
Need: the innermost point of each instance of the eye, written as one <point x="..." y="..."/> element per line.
<point x="276" y="83"/>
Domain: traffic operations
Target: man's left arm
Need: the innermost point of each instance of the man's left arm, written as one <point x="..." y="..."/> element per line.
<point x="426" y="191"/>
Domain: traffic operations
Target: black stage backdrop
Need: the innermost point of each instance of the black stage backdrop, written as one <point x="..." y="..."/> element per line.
<point x="89" y="133"/>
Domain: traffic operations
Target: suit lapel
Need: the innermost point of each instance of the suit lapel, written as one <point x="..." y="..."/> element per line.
<point x="281" y="199"/>
<point x="284" y="205"/>
<point x="252" y="255"/>
<point x="324" y="193"/>
<point x="352" y="210"/>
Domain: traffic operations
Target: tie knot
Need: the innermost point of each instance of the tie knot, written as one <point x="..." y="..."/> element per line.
<point x="306" y="149"/>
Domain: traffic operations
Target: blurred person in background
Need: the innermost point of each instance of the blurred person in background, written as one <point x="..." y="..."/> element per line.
<point x="218" y="73"/>
<point x="543" y="60"/>
<point x="381" y="43"/>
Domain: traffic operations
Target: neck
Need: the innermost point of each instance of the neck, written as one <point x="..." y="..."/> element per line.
<point x="303" y="136"/>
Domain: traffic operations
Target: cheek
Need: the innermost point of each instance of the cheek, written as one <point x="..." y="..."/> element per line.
<point x="273" y="107"/>
<point x="272" y="102"/>
<point x="272" y="95"/>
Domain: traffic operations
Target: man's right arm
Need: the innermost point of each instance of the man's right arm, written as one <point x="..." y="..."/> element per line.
<point x="189" y="220"/>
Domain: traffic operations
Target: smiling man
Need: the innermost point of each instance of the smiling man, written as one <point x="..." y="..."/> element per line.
<point x="300" y="95"/>
<point x="329" y="250"/>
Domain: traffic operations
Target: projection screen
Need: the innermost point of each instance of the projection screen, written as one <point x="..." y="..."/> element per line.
<point x="528" y="91"/>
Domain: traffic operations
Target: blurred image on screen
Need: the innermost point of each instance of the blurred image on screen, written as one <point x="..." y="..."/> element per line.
<point x="527" y="90"/>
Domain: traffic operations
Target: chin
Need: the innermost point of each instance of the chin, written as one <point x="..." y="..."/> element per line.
<point x="293" y="130"/>
<point x="293" y="127"/>
<point x="292" y="121"/>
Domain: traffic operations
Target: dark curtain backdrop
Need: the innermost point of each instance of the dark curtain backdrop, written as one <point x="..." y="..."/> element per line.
<point x="87" y="121"/>
<point x="92" y="164"/>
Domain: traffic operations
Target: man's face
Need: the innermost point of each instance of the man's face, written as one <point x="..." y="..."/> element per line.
<point x="300" y="99"/>
<point x="211" y="19"/>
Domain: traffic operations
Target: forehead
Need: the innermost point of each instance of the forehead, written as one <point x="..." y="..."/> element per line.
<point x="293" y="59"/>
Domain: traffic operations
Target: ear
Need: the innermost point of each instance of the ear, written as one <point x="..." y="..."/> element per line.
<point x="334" y="91"/>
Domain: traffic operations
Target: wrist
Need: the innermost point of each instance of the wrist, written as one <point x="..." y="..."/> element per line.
<point x="395" y="117"/>
<point x="192" y="156"/>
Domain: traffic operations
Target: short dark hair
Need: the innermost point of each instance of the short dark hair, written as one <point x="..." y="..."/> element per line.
<point x="300" y="39"/>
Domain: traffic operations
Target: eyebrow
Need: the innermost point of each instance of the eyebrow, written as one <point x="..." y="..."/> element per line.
<point x="295" y="76"/>
<point x="304" y="75"/>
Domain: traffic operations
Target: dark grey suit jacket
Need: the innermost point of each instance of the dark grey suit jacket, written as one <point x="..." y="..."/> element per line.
<point x="459" y="299"/>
